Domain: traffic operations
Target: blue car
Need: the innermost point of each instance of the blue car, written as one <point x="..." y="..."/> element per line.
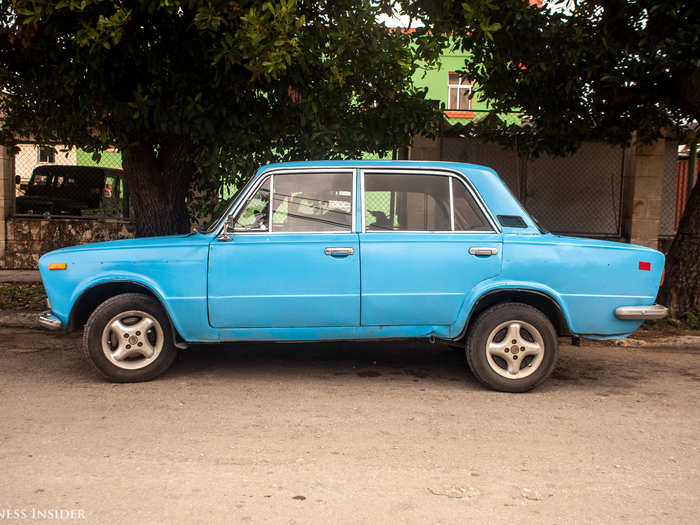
<point x="365" y="250"/>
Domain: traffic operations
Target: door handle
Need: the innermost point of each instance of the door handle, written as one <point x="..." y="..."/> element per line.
<point x="483" y="250"/>
<point x="339" y="252"/>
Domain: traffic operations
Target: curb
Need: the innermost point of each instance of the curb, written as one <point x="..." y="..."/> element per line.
<point x="20" y="276"/>
<point x="671" y="341"/>
<point x="19" y="319"/>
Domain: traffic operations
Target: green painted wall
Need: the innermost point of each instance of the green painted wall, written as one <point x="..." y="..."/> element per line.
<point x="436" y="80"/>
<point x="110" y="159"/>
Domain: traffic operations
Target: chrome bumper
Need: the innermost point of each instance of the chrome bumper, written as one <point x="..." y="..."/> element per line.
<point x="641" y="313"/>
<point x="49" y="320"/>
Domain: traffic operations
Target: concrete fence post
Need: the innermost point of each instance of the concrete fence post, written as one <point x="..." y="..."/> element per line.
<point x="7" y="196"/>
<point x="643" y="187"/>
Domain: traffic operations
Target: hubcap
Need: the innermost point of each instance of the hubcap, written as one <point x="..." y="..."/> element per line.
<point x="132" y="340"/>
<point x="515" y="349"/>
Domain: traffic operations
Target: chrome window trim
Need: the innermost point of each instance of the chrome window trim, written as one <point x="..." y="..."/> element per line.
<point x="452" y="206"/>
<point x="245" y="197"/>
<point x="272" y="203"/>
<point x="431" y="171"/>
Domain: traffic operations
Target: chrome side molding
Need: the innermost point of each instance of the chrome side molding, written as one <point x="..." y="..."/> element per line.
<point x="641" y="313"/>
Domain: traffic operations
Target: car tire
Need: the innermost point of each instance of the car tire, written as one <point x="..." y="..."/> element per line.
<point x="512" y="347"/>
<point x="128" y="338"/>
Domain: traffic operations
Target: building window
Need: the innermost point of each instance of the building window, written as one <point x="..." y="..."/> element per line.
<point x="47" y="155"/>
<point x="459" y="92"/>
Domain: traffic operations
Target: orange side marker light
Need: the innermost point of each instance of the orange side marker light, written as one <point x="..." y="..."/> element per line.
<point x="57" y="266"/>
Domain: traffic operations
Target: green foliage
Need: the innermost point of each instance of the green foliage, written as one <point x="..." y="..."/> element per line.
<point x="689" y="320"/>
<point x="578" y="70"/>
<point x="22" y="296"/>
<point x="238" y="83"/>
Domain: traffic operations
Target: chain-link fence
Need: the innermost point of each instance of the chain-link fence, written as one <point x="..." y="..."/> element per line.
<point x="580" y="194"/>
<point x="58" y="181"/>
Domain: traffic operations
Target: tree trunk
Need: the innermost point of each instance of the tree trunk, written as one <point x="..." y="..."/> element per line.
<point x="158" y="182"/>
<point x="681" y="288"/>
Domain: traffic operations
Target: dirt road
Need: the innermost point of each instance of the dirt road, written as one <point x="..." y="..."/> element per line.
<point x="349" y="433"/>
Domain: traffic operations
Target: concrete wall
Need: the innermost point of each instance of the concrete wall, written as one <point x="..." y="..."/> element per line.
<point x="27" y="239"/>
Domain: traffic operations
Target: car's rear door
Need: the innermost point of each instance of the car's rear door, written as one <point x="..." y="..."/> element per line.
<point x="426" y="242"/>
<point x="302" y="268"/>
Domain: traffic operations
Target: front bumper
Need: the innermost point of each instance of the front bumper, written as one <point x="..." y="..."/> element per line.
<point x="49" y="320"/>
<point x="641" y="313"/>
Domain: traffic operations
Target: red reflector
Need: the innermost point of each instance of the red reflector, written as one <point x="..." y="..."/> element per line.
<point x="645" y="266"/>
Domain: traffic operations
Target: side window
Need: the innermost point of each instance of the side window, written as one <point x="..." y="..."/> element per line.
<point x="468" y="215"/>
<point x="407" y="202"/>
<point x="254" y="216"/>
<point x="312" y="202"/>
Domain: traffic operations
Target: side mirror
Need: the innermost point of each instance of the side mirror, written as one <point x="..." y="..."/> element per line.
<point x="230" y="224"/>
<point x="225" y="235"/>
<point x="18" y="179"/>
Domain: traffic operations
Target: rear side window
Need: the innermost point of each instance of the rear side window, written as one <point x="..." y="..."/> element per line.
<point x="407" y="202"/>
<point x="468" y="215"/>
<point x="420" y="202"/>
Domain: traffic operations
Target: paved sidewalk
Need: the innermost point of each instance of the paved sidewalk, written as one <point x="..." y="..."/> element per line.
<point x="20" y="276"/>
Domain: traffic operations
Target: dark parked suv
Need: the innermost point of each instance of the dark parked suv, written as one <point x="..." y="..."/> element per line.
<point x="72" y="190"/>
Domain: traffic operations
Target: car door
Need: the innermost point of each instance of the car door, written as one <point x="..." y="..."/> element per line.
<point x="426" y="241"/>
<point x="292" y="257"/>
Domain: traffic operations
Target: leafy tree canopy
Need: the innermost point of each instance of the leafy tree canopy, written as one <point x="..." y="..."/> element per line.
<point x="578" y="69"/>
<point x="204" y="92"/>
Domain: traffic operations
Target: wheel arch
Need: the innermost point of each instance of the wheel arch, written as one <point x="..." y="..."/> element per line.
<point x="96" y="294"/>
<point x="544" y="302"/>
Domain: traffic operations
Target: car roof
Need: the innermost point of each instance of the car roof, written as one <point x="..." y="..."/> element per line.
<point x="80" y="171"/>
<point x="424" y="164"/>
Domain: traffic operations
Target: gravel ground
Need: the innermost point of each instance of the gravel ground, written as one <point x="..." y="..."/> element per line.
<point x="349" y="433"/>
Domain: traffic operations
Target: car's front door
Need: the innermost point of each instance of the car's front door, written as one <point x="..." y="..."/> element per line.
<point x="293" y="255"/>
<point x="426" y="243"/>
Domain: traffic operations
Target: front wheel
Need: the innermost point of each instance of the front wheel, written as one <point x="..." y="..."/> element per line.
<point x="128" y="339"/>
<point x="512" y="347"/>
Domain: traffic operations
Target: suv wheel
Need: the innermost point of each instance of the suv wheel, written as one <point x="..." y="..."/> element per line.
<point x="512" y="347"/>
<point x="128" y="339"/>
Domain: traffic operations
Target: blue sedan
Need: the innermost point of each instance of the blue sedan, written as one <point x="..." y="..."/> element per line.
<point x="321" y="251"/>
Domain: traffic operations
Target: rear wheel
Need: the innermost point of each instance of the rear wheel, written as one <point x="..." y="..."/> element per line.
<point x="128" y="339"/>
<point x="512" y="347"/>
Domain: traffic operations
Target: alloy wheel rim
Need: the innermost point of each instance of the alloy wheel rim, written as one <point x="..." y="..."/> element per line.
<point x="132" y="340"/>
<point x="515" y="349"/>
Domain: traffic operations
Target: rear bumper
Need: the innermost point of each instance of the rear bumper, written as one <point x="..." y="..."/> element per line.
<point x="49" y="320"/>
<point x="641" y="313"/>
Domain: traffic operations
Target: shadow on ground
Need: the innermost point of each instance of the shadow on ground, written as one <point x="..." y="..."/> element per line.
<point x="58" y="355"/>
